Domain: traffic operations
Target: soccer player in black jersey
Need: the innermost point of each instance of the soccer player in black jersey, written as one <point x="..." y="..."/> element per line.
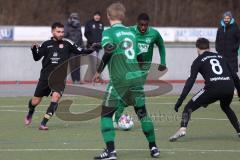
<point x="220" y="81"/>
<point x="55" y="52"/>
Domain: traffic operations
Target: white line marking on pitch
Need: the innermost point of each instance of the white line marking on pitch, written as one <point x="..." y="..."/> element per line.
<point x="215" y="119"/>
<point x="20" y="111"/>
<point x="197" y="118"/>
<point x="79" y="149"/>
<point x="96" y="104"/>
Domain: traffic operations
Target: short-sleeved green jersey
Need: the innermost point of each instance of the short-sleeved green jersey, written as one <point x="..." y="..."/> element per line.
<point x="146" y="41"/>
<point x="123" y="66"/>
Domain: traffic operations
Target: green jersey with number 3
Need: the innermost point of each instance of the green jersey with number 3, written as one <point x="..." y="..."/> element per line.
<point x="123" y="65"/>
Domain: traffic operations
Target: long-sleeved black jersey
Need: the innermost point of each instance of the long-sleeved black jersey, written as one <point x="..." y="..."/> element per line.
<point x="215" y="71"/>
<point x="55" y="53"/>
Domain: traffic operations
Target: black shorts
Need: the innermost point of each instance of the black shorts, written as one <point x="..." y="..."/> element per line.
<point x="43" y="89"/>
<point x="207" y="96"/>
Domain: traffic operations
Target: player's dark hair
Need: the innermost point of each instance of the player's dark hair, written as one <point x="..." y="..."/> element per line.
<point x="202" y="43"/>
<point x="97" y="13"/>
<point x="57" y="25"/>
<point x="143" y="16"/>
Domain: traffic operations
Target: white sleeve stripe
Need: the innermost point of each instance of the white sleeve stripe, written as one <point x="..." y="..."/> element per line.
<point x="104" y="44"/>
<point x="68" y="40"/>
<point x="104" y="38"/>
<point x="80" y="49"/>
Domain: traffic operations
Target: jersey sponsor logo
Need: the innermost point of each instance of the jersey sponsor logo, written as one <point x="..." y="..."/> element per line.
<point x="214" y="79"/>
<point x="122" y="33"/>
<point x="61" y="45"/>
<point x="143" y="47"/>
<point x="55" y="58"/>
<point x="50" y="46"/>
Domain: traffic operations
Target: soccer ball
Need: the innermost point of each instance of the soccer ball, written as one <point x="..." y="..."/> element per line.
<point x="125" y="122"/>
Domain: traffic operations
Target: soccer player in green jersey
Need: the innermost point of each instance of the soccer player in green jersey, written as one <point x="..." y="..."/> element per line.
<point x="147" y="37"/>
<point x="126" y="81"/>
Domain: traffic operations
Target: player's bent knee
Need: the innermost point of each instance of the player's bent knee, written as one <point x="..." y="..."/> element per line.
<point x="36" y="100"/>
<point x="56" y="97"/>
<point x="141" y="112"/>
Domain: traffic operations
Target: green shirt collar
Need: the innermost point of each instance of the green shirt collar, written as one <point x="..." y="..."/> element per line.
<point x="117" y="25"/>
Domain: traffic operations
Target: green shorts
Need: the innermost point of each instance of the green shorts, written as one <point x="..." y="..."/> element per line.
<point x="128" y="95"/>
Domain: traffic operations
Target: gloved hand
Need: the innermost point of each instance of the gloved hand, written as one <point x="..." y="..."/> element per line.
<point x="177" y="105"/>
<point x="162" y="67"/>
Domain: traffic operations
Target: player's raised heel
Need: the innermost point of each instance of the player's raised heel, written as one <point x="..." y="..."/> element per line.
<point x="28" y="120"/>
<point x="177" y="135"/>
<point x="106" y="155"/>
<point x="155" y="153"/>
<point x="42" y="127"/>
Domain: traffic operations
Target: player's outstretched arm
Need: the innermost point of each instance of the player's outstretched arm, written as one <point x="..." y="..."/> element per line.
<point x="188" y="86"/>
<point x="91" y="49"/>
<point x="79" y="50"/>
<point x="105" y="59"/>
<point x="108" y="48"/>
<point x="162" y="52"/>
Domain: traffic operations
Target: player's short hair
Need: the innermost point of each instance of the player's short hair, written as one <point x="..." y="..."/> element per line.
<point x="143" y="17"/>
<point x="57" y="25"/>
<point x="202" y="43"/>
<point x="116" y="11"/>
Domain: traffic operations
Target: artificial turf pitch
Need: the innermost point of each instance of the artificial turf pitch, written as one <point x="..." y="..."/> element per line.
<point x="210" y="135"/>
